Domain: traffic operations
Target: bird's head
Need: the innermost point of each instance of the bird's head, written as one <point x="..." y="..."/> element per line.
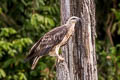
<point x="73" y="20"/>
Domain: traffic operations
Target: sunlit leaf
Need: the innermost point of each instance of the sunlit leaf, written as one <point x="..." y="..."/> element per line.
<point x="7" y="32"/>
<point x="22" y="76"/>
<point x="2" y="73"/>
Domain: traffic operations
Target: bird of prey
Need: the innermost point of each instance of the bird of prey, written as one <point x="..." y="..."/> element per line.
<point x="51" y="42"/>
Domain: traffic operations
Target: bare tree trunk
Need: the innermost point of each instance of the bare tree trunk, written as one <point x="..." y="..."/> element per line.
<point x="80" y="57"/>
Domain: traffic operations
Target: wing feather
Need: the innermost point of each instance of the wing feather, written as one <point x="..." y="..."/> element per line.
<point x="47" y="42"/>
<point x="32" y="50"/>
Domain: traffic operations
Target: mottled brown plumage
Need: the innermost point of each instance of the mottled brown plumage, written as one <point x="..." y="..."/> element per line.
<point x="47" y="42"/>
<point x="52" y="41"/>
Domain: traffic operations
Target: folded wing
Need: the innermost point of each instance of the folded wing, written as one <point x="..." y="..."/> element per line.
<point x="47" y="42"/>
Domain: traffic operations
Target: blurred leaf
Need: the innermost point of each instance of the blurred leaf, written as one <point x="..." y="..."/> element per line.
<point x="8" y="63"/>
<point x="2" y="73"/>
<point x="0" y="10"/>
<point x="117" y="13"/>
<point x="33" y="73"/>
<point x="42" y="66"/>
<point x="114" y="27"/>
<point x="119" y="31"/>
<point x="7" y="32"/>
<point x="22" y="76"/>
<point x="23" y="1"/>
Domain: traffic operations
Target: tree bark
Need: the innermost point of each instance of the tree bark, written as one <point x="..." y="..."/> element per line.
<point x="80" y="57"/>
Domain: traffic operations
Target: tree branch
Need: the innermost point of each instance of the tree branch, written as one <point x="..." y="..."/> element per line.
<point x="8" y="20"/>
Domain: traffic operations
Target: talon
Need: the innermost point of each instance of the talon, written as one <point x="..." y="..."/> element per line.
<point x="60" y="59"/>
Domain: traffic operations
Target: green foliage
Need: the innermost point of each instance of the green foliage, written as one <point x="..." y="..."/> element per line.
<point x="2" y="73"/>
<point x="22" y="23"/>
<point x="116" y="25"/>
<point x="108" y="45"/>
<point x="109" y="62"/>
<point x="11" y="53"/>
<point x="5" y="32"/>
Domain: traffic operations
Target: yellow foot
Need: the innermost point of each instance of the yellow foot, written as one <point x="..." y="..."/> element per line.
<point x="60" y="59"/>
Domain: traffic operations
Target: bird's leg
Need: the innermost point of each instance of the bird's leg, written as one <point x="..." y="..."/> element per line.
<point x="59" y="57"/>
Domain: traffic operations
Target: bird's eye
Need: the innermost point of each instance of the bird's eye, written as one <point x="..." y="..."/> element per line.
<point x="73" y="18"/>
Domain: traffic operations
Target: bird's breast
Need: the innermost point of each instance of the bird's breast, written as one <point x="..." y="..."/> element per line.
<point x="68" y="35"/>
<point x="52" y="53"/>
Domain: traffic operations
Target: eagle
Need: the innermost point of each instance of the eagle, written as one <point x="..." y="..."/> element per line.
<point x="51" y="42"/>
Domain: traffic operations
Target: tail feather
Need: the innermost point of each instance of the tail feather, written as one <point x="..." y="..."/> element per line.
<point x="27" y="59"/>
<point x="32" y="51"/>
<point x="35" y="62"/>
